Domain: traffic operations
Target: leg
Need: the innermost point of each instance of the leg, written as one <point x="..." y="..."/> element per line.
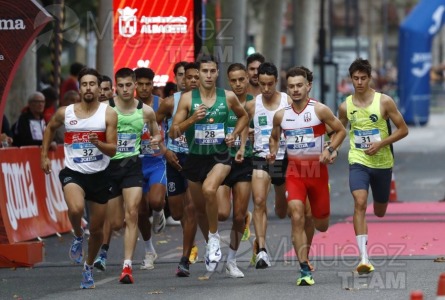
<point x="132" y="197"/>
<point x="241" y="195"/>
<point x="260" y="190"/>
<point x="280" y="201"/>
<point x="97" y="217"/>
<point x="223" y="196"/>
<point x="74" y="198"/>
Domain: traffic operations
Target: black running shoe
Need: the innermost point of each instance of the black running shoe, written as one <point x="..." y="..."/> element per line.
<point x="183" y="267"/>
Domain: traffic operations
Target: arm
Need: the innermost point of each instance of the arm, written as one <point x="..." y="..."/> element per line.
<point x="108" y="147"/>
<point x="150" y="120"/>
<point x="181" y="121"/>
<point x="389" y="110"/>
<point x="274" y="139"/>
<point x="56" y="121"/>
<point x="335" y="125"/>
<point x="165" y="109"/>
<point x="342" y="114"/>
<point x="239" y="157"/>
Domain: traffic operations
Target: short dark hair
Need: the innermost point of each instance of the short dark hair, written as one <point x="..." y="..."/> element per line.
<point x="268" y="68"/>
<point x="89" y="71"/>
<point x="105" y="78"/>
<point x="309" y="74"/>
<point x="236" y="67"/>
<point x="296" y="71"/>
<point x="178" y="65"/>
<point x="206" y="58"/>
<point x="144" y="73"/>
<point x="191" y="65"/>
<point x="169" y="88"/>
<point x="255" y="57"/>
<point x="362" y="65"/>
<point x="75" y="68"/>
<point x="125" y="72"/>
<point x="50" y="94"/>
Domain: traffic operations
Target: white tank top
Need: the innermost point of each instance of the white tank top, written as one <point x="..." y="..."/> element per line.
<point x="304" y="133"/>
<point x="80" y="154"/>
<point x="263" y="123"/>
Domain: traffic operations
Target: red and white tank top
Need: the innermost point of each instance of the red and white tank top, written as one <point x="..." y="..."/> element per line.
<point x="304" y="133"/>
<point x="80" y="154"/>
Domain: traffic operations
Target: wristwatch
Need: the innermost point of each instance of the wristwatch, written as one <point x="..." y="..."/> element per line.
<point x="331" y="149"/>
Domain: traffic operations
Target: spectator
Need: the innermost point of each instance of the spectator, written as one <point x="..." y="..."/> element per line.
<point x="29" y="128"/>
<point x="71" y="82"/>
<point x="50" y="103"/>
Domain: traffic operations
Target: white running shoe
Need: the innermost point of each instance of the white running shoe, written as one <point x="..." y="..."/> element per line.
<point x="232" y="269"/>
<point x="148" y="262"/>
<point x="214" y="249"/>
<point x="158" y="221"/>
<point x="173" y="222"/>
<point x="262" y="260"/>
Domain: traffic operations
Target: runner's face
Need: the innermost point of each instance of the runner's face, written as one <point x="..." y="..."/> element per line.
<point x="191" y="79"/>
<point x="268" y="85"/>
<point x="208" y="73"/>
<point x="125" y="88"/>
<point x="144" y="88"/>
<point x="89" y="88"/>
<point x="252" y="70"/>
<point x="106" y="91"/>
<point x="360" y="81"/>
<point x="297" y="88"/>
<point x="238" y="81"/>
<point x="179" y="78"/>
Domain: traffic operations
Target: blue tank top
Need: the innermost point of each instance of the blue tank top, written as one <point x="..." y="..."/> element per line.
<point x="178" y="145"/>
<point x="150" y="157"/>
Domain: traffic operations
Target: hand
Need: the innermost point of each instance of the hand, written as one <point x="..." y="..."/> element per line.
<point x="239" y="156"/>
<point x="270" y="158"/>
<point x="200" y="113"/>
<point x="93" y="138"/>
<point x="373" y="148"/>
<point x="45" y="164"/>
<point x="325" y="157"/>
<point x="173" y="160"/>
<point x="230" y="140"/>
<point x="333" y="157"/>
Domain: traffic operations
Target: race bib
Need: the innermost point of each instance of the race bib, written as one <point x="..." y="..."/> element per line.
<point x="126" y="142"/>
<point x="209" y="134"/>
<point x="149" y="150"/>
<point x="86" y="152"/>
<point x="362" y="138"/>
<point x="265" y="135"/>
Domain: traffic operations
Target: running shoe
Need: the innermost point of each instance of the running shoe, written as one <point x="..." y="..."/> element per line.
<point x="262" y="260"/>
<point x="172" y="222"/>
<point x="101" y="262"/>
<point x="183" y="268"/>
<point x="210" y="266"/>
<point x="214" y="249"/>
<point x="126" y="275"/>
<point x="76" y="250"/>
<point x="159" y="221"/>
<point x="254" y="252"/>
<point x="193" y="254"/>
<point x="148" y="262"/>
<point x="87" y="278"/>
<point x="365" y="268"/>
<point x="305" y="278"/>
<point x="246" y="234"/>
<point x="232" y="270"/>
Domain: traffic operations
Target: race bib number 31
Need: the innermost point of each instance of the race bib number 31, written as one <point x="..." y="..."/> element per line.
<point x="362" y="138"/>
<point x="209" y="134"/>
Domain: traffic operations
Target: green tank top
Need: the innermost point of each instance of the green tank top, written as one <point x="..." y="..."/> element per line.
<point x="231" y="126"/>
<point x="368" y="125"/>
<point x="129" y="131"/>
<point x="206" y="137"/>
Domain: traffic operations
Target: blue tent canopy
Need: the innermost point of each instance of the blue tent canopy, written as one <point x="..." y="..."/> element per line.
<point x="414" y="63"/>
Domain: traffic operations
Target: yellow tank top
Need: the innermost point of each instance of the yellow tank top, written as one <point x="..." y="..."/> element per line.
<point x="368" y="125"/>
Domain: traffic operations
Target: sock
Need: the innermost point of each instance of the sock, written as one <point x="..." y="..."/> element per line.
<point x="105" y="247"/>
<point x="127" y="262"/>
<point x="262" y="249"/>
<point x="362" y="241"/>
<point x="231" y="255"/>
<point x="304" y="266"/>
<point x="149" y="246"/>
<point x="87" y="266"/>
<point x="157" y="213"/>
<point x="214" y="235"/>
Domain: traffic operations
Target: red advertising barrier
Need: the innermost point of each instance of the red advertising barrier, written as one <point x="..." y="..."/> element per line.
<point x="31" y="203"/>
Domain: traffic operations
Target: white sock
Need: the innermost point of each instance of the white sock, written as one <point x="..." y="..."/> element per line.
<point x="362" y="241"/>
<point x="157" y="213"/>
<point x="231" y="255"/>
<point x="127" y="262"/>
<point x="149" y="246"/>
<point x="214" y="235"/>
